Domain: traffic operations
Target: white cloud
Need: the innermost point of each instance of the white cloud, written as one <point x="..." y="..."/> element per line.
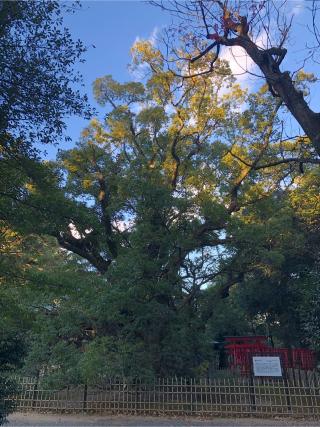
<point x="152" y="37"/>
<point x="140" y="71"/>
<point x="298" y="7"/>
<point x="241" y="64"/>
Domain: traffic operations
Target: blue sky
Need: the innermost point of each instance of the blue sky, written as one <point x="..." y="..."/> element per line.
<point x="113" y="26"/>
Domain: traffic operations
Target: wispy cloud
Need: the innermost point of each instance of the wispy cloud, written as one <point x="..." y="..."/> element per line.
<point x="297" y="7"/>
<point x="139" y="72"/>
<point x="152" y="37"/>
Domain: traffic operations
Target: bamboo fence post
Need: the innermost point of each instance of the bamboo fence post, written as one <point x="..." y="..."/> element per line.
<point x="85" y="396"/>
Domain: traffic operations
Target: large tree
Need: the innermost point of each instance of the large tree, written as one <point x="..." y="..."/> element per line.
<point x="179" y="188"/>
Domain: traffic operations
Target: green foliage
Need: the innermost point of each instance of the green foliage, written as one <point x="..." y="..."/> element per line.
<point x="13" y="347"/>
<point x="224" y="316"/>
<point x="107" y="357"/>
<point x="167" y="227"/>
<point x="37" y="58"/>
<point x="310" y="310"/>
<point x="8" y="388"/>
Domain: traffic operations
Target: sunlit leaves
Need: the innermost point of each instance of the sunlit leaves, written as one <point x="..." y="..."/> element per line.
<point x="106" y="90"/>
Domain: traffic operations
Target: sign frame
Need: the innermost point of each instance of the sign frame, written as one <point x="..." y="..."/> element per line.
<point x="267" y="367"/>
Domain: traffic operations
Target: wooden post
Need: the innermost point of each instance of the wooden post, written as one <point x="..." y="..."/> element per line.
<point x="67" y="397"/>
<point x="85" y="396"/>
<point x="251" y="386"/>
<point x="191" y="397"/>
<point x="286" y="382"/>
<point x="35" y="392"/>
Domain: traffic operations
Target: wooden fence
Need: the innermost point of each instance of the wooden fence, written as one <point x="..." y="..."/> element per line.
<point x="180" y="396"/>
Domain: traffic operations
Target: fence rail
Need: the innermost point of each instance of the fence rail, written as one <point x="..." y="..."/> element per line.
<point x="179" y="396"/>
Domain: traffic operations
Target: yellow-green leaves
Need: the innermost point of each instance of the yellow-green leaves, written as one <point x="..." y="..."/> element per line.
<point x="305" y="197"/>
<point x="108" y="91"/>
<point x="143" y="52"/>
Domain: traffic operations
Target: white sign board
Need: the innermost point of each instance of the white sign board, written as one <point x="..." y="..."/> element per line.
<point x="266" y="366"/>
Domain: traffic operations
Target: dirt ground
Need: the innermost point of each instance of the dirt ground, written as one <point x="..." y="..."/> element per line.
<point x="33" y="419"/>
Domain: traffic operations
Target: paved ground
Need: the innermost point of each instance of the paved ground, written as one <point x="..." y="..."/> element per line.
<point x="28" y="419"/>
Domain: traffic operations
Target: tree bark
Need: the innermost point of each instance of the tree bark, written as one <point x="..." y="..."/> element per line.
<point x="281" y="85"/>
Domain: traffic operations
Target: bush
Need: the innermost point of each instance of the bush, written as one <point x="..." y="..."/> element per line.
<point x="8" y="388"/>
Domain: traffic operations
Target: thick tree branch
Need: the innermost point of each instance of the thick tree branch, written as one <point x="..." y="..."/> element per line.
<point x="83" y="248"/>
<point x="299" y="160"/>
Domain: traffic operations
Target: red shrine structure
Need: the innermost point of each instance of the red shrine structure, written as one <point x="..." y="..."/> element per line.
<point x="240" y="351"/>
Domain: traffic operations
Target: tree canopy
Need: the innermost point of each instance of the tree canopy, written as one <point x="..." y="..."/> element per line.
<point x="178" y="224"/>
<point x="182" y="215"/>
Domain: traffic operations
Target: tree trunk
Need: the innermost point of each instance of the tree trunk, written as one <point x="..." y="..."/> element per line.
<point x="281" y="85"/>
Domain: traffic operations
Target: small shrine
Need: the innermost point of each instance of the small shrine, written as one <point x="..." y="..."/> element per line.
<point x="240" y="351"/>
